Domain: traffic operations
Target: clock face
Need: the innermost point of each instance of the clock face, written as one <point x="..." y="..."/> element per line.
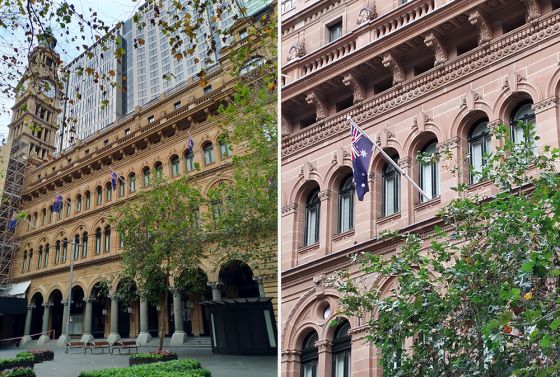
<point x="48" y="88"/>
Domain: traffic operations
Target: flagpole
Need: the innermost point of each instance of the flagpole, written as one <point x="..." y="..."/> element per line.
<point x="389" y="159"/>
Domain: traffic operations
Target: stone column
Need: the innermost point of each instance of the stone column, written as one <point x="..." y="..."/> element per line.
<point x="114" y="335"/>
<point x="290" y="237"/>
<point x="450" y="158"/>
<point x="324" y="364"/>
<point x="216" y="290"/>
<point x="259" y="281"/>
<point x="179" y="336"/>
<point x="64" y="336"/>
<point x="45" y="326"/>
<point x="144" y="337"/>
<point x="546" y="118"/>
<point x="290" y="363"/>
<point x="409" y="195"/>
<point x="27" y="329"/>
<point x="325" y="216"/>
<point x="86" y="335"/>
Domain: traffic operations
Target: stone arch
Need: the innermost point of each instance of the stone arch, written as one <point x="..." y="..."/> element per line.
<point x="34" y="292"/>
<point x="302" y="188"/>
<point x="554" y="85"/>
<point x="54" y="288"/>
<point x="379" y="161"/>
<point x="93" y="283"/>
<point x="507" y="101"/>
<point x="215" y="182"/>
<point x="336" y="175"/>
<point x="79" y="229"/>
<point x="416" y="141"/>
<point x="464" y="120"/>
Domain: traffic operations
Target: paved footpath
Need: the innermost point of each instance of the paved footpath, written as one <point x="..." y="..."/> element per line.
<point x="70" y="365"/>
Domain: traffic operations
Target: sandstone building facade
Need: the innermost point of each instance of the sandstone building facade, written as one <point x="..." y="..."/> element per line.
<point x="150" y="142"/>
<point x="417" y="76"/>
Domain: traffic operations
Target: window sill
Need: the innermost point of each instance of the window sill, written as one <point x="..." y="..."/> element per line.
<point x="428" y="204"/>
<point x="341" y="236"/>
<point x="308" y="249"/>
<point x="387" y="219"/>
<point x="478" y="185"/>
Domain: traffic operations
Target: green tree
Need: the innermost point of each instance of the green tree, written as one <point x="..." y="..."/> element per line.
<point x="162" y="239"/>
<point x="480" y="296"/>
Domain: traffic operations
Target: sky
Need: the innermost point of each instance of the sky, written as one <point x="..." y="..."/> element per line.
<point x="110" y="11"/>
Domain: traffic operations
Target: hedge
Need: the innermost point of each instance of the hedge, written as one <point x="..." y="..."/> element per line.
<point x="18" y="372"/>
<point x="151" y="357"/>
<point x="23" y="361"/>
<point x="38" y="355"/>
<point x="177" y="368"/>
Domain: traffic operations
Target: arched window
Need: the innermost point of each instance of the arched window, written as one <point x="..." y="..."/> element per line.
<point x="121" y="187"/>
<point x="35" y="219"/>
<point x="57" y="252"/>
<point x="78" y="203"/>
<point x="46" y="259"/>
<point x="312" y="208"/>
<point x="64" y="249"/>
<point x="479" y="147"/>
<point x="43" y="216"/>
<point x="108" y="192"/>
<point x="88" y="200"/>
<point x="99" y="195"/>
<point x="29" y="260"/>
<point x="98" y="241"/>
<point x="189" y="160"/>
<point x="175" y="166"/>
<point x="50" y="214"/>
<point x="341" y="351"/>
<point x="28" y="222"/>
<point x="146" y="174"/>
<point x="208" y="152"/>
<point x="522" y="119"/>
<point x="159" y="170"/>
<point x="68" y="207"/>
<point x="225" y="147"/>
<point x="132" y="182"/>
<point x="75" y="247"/>
<point x="217" y="209"/>
<point x="85" y="244"/>
<point x="40" y="257"/>
<point x="24" y="261"/>
<point x="429" y="172"/>
<point x="346" y="205"/>
<point x="390" y="190"/>
<point x="107" y="238"/>
<point x="309" y="356"/>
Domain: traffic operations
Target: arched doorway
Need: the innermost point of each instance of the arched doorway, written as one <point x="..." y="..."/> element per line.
<point x="128" y="312"/>
<point x="76" y="320"/>
<point x="100" y="309"/>
<point x="37" y="314"/>
<point x="56" y="312"/>
<point x="194" y="291"/>
<point x="237" y="278"/>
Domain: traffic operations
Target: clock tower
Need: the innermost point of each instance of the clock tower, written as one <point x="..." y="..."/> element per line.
<point x="38" y="97"/>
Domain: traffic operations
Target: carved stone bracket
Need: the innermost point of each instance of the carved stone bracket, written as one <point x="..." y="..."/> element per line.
<point x="314" y="98"/>
<point x="319" y="281"/>
<point x="285" y="126"/>
<point x="484" y="29"/>
<point x="452" y="143"/>
<point x="546" y="104"/>
<point x="289" y="209"/>
<point x="297" y="50"/>
<point x="404" y="162"/>
<point x="495" y="123"/>
<point x="324" y="195"/>
<point x="432" y="41"/>
<point x="367" y="13"/>
<point x="533" y="9"/>
<point x="354" y="83"/>
<point x="394" y="65"/>
<point x="290" y="355"/>
<point x="323" y="346"/>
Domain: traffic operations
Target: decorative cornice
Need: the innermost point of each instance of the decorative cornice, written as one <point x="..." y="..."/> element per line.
<point x="289" y="209"/>
<point x="371" y="108"/>
<point x="546" y="104"/>
<point x="432" y="41"/>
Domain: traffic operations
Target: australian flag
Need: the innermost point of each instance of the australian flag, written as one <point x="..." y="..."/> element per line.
<point x="114" y="180"/>
<point x="362" y="148"/>
<point x="191" y="144"/>
<point x="57" y="205"/>
<point x="12" y="222"/>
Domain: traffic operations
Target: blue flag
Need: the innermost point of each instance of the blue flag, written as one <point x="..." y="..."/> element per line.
<point x="114" y="180"/>
<point x="12" y="223"/>
<point x="362" y="148"/>
<point x="191" y="144"/>
<point x="57" y="205"/>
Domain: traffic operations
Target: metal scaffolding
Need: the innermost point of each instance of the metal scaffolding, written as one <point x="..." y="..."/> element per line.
<point x="10" y="204"/>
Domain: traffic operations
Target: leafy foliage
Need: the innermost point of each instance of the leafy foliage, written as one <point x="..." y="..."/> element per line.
<point x="179" y="368"/>
<point x="480" y="297"/>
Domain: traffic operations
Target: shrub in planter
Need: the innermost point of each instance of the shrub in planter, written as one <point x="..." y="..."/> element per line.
<point x="23" y="361"/>
<point x="18" y="372"/>
<point x="151" y="357"/>
<point x="175" y="368"/>
<point x="38" y="355"/>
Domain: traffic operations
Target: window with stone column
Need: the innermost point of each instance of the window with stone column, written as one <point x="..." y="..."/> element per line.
<point x="429" y="171"/>
<point x="522" y="125"/>
<point x="346" y="205"/>
<point x="341" y="348"/>
<point x="309" y="356"/>
<point x="479" y="148"/>
<point x="311" y="219"/>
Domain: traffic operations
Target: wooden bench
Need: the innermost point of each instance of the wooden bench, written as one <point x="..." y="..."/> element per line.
<point x="99" y="345"/>
<point x="124" y="345"/>
<point x="72" y="345"/>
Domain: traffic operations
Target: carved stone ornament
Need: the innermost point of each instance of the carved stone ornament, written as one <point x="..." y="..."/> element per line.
<point x="313" y="98"/>
<point x="484" y="29"/>
<point x="533" y="9"/>
<point x="546" y="104"/>
<point x="323" y="345"/>
<point x="319" y="281"/>
<point x="390" y="62"/>
<point x="405" y="162"/>
<point x="494" y="123"/>
<point x="452" y="143"/>
<point x="290" y="355"/>
<point x="367" y="13"/>
<point x="353" y="83"/>
<point x="289" y="209"/>
<point x="285" y="126"/>
<point x="297" y="50"/>
<point x="324" y="195"/>
<point x="432" y="41"/>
